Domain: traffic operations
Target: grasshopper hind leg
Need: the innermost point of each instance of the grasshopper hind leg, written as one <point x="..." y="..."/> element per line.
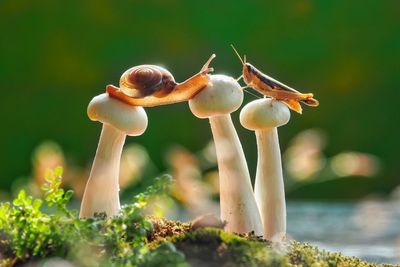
<point x="293" y="105"/>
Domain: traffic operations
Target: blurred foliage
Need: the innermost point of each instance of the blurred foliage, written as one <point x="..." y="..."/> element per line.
<point x="55" y="57"/>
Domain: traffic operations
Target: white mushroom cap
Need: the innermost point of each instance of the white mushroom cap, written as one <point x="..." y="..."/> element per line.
<point x="223" y="95"/>
<point x="264" y="113"/>
<point x="128" y="119"/>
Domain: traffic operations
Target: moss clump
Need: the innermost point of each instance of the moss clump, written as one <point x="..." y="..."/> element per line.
<point x="214" y="247"/>
<point x="303" y="254"/>
<point x="163" y="228"/>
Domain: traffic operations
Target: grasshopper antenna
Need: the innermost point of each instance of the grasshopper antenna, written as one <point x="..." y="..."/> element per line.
<point x="237" y="53"/>
<point x="250" y="93"/>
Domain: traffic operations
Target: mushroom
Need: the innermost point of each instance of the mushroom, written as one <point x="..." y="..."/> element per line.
<point x="222" y="96"/>
<point x="119" y="119"/>
<point x="264" y="116"/>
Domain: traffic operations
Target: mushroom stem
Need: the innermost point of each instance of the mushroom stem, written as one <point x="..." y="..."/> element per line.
<point x="238" y="205"/>
<point x="269" y="187"/>
<point x="102" y="189"/>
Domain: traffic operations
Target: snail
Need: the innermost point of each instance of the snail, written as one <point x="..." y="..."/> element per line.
<point x="151" y="85"/>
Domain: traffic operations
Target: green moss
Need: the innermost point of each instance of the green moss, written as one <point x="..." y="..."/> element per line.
<point x="303" y="254"/>
<point x="165" y="254"/>
<point x="214" y="247"/>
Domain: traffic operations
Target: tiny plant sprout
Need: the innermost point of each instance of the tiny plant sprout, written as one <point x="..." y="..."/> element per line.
<point x="119" y="119"/>
<point x="222" y="96"/>
<point x="264" y="116"/>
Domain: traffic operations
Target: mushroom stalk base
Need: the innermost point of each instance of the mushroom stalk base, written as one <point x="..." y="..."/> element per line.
<point x="102" y="188"/>
<point x="238" y="206"/>
<point x="269" y="187"/>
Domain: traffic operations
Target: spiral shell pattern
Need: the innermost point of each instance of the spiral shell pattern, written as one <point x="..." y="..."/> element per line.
<point x="145" y="80"/>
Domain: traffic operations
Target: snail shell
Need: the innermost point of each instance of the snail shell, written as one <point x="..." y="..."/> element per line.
<point x="145" y="80"/>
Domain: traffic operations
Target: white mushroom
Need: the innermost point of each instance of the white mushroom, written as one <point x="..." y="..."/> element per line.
<point x="222" y="96"/>
<point x="119" y="119"/>
<point x="264" y="116"/>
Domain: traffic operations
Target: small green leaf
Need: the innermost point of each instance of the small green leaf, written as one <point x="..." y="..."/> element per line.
<point x="36" y="204"/>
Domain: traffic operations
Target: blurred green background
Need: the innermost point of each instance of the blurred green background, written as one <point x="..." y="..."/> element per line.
<point x="55" y="56"/>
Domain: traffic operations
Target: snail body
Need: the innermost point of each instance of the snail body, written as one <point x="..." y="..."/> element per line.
<point x="151" y="85"/>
